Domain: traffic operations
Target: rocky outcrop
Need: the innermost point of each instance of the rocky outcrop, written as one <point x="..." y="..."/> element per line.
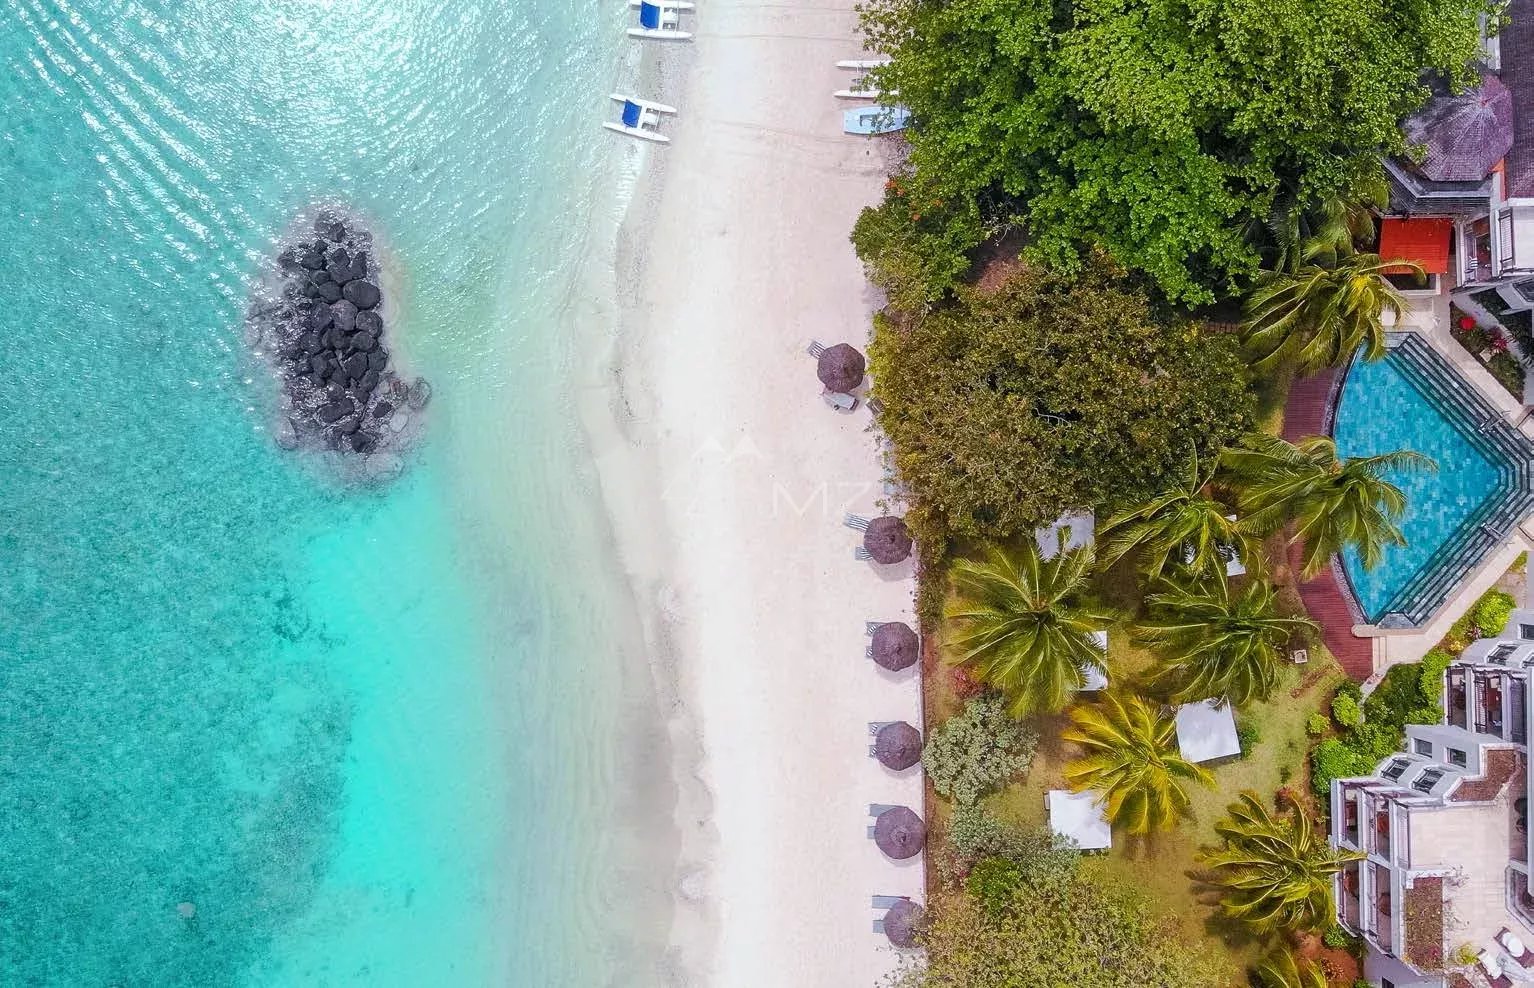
<point x="321" y="321"/>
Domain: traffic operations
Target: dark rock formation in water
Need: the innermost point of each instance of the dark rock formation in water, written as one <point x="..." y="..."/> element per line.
<point x="319" y="319"/>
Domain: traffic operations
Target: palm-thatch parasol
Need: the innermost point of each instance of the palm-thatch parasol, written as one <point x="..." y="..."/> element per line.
<point x="899" y="832"/>
<point x="840" y="368"/>
<point x="898" y="745"/>
<point x="901" y="922"/>
<point x="895" y="646"/>
<point x="887" y="539"/>
<point x="1463" y="137"/>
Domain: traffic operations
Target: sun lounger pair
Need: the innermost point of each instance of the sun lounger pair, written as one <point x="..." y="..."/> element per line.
<point x="839" y="401"/>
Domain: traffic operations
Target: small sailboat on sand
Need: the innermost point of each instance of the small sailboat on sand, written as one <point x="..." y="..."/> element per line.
<point x="660" y="20"/>
<point x="860" y="87"/>
<point x="640" y="118"/>
<point x="875" y="120"/>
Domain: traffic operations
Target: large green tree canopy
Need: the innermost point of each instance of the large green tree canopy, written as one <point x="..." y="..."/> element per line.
<point x="1160" y="129"/>
<point x="1053" y="392"/>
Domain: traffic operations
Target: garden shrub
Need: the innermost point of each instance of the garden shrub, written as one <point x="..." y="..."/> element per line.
<point x="977" y="751"/>
<point x="1337" y="938"/>
<point x="993" y="881"/>
<point x="915" y="245"/>
<point x="1492" y="611"/>
<point x="974" y="835"/>
<point x="1334" y="758"/>
<point x="1317" y="724"/>
<point x="1346" y="711"/>
<point x="1248" y="734"/>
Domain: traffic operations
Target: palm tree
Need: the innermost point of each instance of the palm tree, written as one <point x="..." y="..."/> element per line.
<point x="1326" y="309"/>
<point x="1276" y="871"/>
<point x="1184" y="527"/>
<point x="1283" y="969"/>
<point x="1336" y="502"/>
<point x="1334" y="223"/>
<point x="1021" y="621"/>
<point x="1217" y="640"/>
<point x="1133" y="760"/>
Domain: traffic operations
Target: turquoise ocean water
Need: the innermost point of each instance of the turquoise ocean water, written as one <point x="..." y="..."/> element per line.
<point x="373" y="738"/>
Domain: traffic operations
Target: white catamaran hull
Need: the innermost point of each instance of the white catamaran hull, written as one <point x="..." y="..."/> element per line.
<point x="866" y="63"/>
<point x="659" y="34"/>
<point x="648" y="135"/>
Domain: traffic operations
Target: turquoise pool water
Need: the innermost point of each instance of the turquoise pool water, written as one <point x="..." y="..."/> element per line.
<point x="1380" y="410"/>
<point x="372" y="738"/>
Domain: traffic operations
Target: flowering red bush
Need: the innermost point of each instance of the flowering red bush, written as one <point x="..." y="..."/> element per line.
<point x="1467" y="323"/>
<point x="965" y="685"/>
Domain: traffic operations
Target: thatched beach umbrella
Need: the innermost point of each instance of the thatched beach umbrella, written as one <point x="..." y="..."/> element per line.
<point x="901" y="923"/>
<point x="899" y="832"/>
<point x="887" y="539"/>
<point x="895" y="646"/>
<point x="1463" y="137"/>
<point x="840" y="368"/>
<point x="897" y="745"/>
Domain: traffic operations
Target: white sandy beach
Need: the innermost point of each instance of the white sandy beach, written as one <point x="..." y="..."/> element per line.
<point x="720" y="430"/>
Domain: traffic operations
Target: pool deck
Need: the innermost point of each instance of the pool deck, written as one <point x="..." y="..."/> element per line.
<point x="1308" y="413"/>
<point x="1366" y="650"/>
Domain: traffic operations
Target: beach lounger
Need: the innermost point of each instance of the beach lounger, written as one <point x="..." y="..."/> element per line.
<point x="1492" y="968"/>
<point x="888" y="901"/>
<point x="870" y="831"/>
<point x="879" y="926"/>
<point x="856" y="521"/>
<point x="815" y="349"/>
<point x="840" y="401"/>
<point x="879" y="809"/>
<point x="861" y="554"/>
<point x="875" y="726"/>
<point x="1515" y="947"/>
<point x="871" y="626"/>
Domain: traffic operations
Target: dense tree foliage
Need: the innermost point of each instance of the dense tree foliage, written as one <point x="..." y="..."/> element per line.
<point x="1050" y="393"/>
<point x="1161" y="130"/>
<point x="1059" y="929"/>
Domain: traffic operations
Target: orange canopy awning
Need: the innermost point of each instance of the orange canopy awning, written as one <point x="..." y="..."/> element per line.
<point x="1425" y="241"/>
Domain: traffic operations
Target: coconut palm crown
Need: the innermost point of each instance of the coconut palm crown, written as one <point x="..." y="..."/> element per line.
<point x="1334" y="502"/>
<point x="1132" y="758"/>
<point x="1276" y="871"/>
<point x="1021" y="623"/>
<point x="1323" y="311"/>
<point x="1217" y="640"/>
<point x="1182" y="528"/>
<point x="1283" y="969"/>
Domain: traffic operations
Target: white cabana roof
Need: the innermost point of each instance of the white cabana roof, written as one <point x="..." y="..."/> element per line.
<point x="1078" y="529"/>
<point x="1081" y="816"/>
<point x="1207" y="730"/>
<point x="1096" y="679"/>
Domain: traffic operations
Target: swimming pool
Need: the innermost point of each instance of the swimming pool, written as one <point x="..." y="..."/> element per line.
<point x="1413" y="399"/>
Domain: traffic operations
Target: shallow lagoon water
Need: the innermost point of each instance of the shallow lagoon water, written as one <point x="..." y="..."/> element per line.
<point x="371" y="737"/>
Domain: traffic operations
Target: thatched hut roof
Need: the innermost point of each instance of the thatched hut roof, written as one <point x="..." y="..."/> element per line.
<point x="841" y="367"/>
<point x="887" y="539"/>
<point x="1463" y="137"/>
<point x="902" y="921"/>
<point x="895" y="646"/>
<point x="900" y="833"/>
<point x="898" y="745"/>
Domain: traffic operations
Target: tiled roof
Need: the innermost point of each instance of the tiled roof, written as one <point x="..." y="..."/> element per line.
<point x="1499" y="766"/>
<point x="1517" y="46"/>
<point x="1424" y="923"/>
